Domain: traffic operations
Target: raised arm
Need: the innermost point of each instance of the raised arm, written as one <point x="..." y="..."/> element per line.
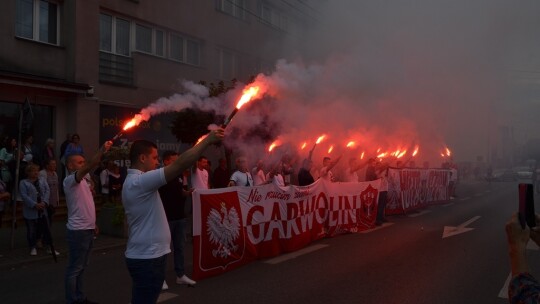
<point x="188" y="158"/>
<point x="94" y="161"/>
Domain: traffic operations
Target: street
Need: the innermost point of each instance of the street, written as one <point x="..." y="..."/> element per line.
<point x="405" y="261"/>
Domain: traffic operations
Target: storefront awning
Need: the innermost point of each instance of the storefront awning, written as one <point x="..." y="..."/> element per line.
<point x="26" y="80"/>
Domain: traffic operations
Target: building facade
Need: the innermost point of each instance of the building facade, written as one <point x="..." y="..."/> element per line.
<point x="86" y="65"/>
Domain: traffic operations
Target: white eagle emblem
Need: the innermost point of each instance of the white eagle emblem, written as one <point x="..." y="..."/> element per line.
<point x="223" y="230"/>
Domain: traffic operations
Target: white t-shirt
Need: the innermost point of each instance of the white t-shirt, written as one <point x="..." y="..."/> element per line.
<point x="149" y="234"/>
<point x="242" y="179"/>
<point x="104" y="180"/>
<point x="199" y="179"/>
<point x="326" y="174"/>
<point x="350" y="177"/>
<point x="258" y="176"/>
<point x="278" y="180"/>
<point x="80" y="203"/>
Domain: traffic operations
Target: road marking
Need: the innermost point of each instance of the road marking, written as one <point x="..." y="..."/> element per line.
<point x="504" y="290"/>
<point x="165" y="296"/>
<point x="384" y="225"/>
<point x="451" y="231"/>
<point x="465" y="198"/>
<point x="419" y="213"/>
<point x="289" y="256"/>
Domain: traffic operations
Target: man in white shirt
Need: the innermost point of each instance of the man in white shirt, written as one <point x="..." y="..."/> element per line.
<point x="325" y="172"/>
<point x="149" y="235"/>
<point x="199" y="174"/>
<point x="81" y="221"/>
<point x="241" y="177"/>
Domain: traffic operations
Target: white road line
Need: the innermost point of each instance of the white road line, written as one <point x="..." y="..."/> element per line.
<point x="504" y="290"/>
<point x="289" y="256"/>
<point x="419" y="213"/>
<point x="165" y="296"/>
<point x="384" y="225"/>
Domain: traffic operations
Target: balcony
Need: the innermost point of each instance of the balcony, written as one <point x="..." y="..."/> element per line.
<point x="115" y="69"/>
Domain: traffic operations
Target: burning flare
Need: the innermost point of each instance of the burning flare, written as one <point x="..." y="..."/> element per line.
<point x="448" y="153"/>
<point x="330" y="149"/>
<point x="362" y="155"/>
<point x="303" y="145"/>
<point x="400" y="155"/>
<point x="320" y="139"/>
<point x="273" y="145"/>
<point x="247" y="95"/>
<point x="351" y="144"/>
<point x="135" y="121"/>
<point x="415" y="151"/>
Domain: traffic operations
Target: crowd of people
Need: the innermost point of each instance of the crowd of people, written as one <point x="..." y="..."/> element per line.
<point x="155" y="197"/>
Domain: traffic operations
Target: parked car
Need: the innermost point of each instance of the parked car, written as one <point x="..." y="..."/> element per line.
<point x="504" y="176"/>
<point x="523" y="172"/>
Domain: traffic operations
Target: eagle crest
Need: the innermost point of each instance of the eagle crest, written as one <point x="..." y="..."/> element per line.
<point x="223" y="228"/>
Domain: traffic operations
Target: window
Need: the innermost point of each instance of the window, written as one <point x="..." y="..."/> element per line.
<point x="105" y="33"/>
<point x="236" y="8"/>
<point x="143" y="39"/>
<point x="37" y="20"/>
<point x="160" y="42"/>
<point x="227" y="64"/>
<point x="122" y="37"/>
<point x="193" y="52"/>
<point x="177" y="48"/>
<point x="149" y="40"/>
<point x="114" y="35"/>
<point x="185" y="50"/>
<point x="274" y="17"/>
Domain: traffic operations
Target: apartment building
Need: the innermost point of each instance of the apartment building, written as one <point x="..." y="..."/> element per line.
<point x="86" y="66"/>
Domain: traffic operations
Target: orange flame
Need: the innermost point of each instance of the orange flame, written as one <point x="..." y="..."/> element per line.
<point x="378" y="150"/>
<point x="350" y="144"/>
<point x="135" y="121"/>
<point x="448" y="153"/>
<point x="362" y="155"/>
<point x="247" y="95"/>
<point x="273" y="145"/>
<point x="415" y="151"/>
<point x="304" y="145"/>
<point x="320" y="139"/>
<point x="330" y="149"/>
<point x="382" y="155"/>
<point x="400" y="155"/>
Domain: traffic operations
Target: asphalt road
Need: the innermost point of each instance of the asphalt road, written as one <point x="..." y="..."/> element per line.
<point x="406" y="261"/>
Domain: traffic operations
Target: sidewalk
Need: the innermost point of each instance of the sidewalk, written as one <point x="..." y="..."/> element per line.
<point x="20" y="254"/>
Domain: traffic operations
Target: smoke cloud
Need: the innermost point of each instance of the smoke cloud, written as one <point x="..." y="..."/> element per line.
<point x="391" y="75"/>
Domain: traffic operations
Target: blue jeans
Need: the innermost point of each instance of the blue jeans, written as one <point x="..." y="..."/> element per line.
<point x="178" y="228"/>
<point x="147" y="276"/>
<point x="80" y="244"/>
